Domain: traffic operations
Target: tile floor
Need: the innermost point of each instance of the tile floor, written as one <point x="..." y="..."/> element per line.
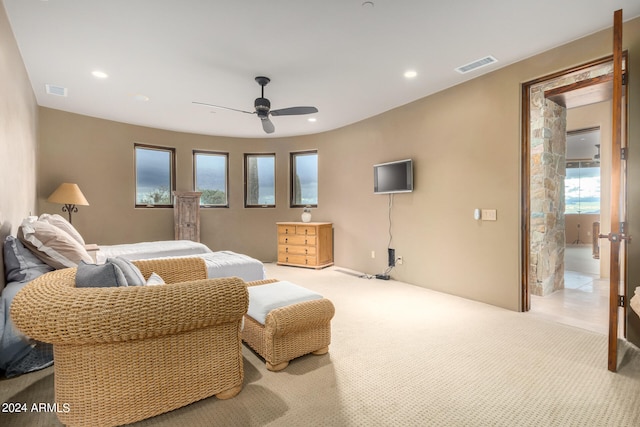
<point x="584" y="302"/>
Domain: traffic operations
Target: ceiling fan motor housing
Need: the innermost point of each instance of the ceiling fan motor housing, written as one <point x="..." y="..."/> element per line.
<point x="262" y="107"/>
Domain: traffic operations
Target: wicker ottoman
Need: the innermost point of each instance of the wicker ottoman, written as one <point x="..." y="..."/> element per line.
<point x="288" y="330"/>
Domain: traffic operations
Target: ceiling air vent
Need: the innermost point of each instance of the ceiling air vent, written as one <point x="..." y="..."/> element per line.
<point x="476" y="64"/>
<point x="56" y="90"/>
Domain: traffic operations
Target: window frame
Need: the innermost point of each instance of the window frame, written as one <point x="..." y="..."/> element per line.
<point x="195" y="174"/>
<point x="292" y="179"/>
<point x="172" y="174"/>
<point x="246" y="180"/>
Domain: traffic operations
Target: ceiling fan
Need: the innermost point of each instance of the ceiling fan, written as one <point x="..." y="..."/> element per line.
<point x="263" y="108"/>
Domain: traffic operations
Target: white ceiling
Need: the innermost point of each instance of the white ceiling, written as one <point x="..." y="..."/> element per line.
<point x="341" y="56"/>
<point x="582" y="145"/>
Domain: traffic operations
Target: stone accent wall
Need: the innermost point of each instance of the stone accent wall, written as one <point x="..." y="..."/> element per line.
<point x="548" y="154"/>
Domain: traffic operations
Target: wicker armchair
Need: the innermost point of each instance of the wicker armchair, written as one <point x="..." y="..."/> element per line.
<point x="123" y="354"/>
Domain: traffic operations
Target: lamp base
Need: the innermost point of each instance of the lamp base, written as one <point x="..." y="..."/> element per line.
<point x="69" y="209"/>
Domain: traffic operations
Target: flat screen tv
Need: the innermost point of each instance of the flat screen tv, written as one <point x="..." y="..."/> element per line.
<point x="393" y="177"/>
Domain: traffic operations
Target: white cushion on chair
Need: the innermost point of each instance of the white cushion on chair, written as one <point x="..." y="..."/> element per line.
<point x="264" y="298"/>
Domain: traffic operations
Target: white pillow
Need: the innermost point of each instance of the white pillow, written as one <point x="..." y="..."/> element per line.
<point x="52" y="245"/>
<point x="63" y="224"/>
<point x="154" y="279"/>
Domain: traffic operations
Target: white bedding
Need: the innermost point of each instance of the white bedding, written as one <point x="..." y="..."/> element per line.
<point x="227" y="264"/>
<point x="219" y="264"/>
<point x="147" y="250"/>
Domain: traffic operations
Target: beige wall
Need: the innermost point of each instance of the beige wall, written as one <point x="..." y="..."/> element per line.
<point x="580" y="228"/>
<point x="18" y="138"/>
<point x="465" y="142"/>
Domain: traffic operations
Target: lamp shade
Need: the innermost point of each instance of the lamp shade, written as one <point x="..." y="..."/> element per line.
<point x="68" y="194"/>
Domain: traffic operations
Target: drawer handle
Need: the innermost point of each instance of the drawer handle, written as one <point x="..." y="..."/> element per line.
<point x="306" y="251"/>
<point x="305" y="241"/>
<point x="286" y="249"/>
<point x="286" y="240"/>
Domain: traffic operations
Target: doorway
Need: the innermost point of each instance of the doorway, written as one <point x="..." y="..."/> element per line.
<point x="550" y="103"/>
<point x="583" y="301"/>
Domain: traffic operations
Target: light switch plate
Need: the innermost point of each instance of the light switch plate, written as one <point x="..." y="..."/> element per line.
<point x="489" y="215"/>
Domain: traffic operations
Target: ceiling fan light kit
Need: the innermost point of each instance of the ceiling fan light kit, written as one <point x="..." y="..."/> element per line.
<point x="263" y="108"/>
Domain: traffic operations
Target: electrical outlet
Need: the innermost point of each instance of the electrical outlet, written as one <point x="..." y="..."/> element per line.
<point x="373" y="254"/>
<point x="399" y="260"/>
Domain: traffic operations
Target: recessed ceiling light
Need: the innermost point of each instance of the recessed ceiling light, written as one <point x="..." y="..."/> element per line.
<point x="99" y="74"/>
<point x="312" y="119"/>
<point x="409" y="74"/>
<point x="367" y="4"/>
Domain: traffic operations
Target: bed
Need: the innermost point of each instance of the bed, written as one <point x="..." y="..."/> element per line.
<point x="219" y="263"/>
<point x="18" y="353"/>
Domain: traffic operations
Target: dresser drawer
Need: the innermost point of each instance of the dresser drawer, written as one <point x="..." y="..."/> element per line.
<point x="286" y="229"/>
<point x="296" y="259"/>
<point x="306" y="230"/>
<point x="297" y="249"/>
<point x="296" y="239"/>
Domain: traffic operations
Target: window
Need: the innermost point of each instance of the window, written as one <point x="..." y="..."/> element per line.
<point x="259" y="180"/>
<point x="582" y="188"/>
<point x="304" y="179"/>
<point x="155" y="175"/>
<point x="210" y="178"/>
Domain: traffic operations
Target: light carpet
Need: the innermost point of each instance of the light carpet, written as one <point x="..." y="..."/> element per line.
<point x="402" y="355"/>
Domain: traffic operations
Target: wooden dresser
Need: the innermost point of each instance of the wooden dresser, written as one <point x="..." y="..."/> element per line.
<point x="305" y="244"/>
<point x="186" y="215"/>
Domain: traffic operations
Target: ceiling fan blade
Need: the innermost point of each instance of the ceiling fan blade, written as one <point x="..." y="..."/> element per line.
<point x="224" y="108"/>
<point x="267" y="125"/>
<point x="294" y="111"/>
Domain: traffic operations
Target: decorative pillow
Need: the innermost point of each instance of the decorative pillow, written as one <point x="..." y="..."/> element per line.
<point x="52" y="245"/>
<point x="99" y="275"/>
<point x="20" y="264"/>
<point x="154" y="279"/>
<point x="131" y="273"/>
<point x="63" y="224"/>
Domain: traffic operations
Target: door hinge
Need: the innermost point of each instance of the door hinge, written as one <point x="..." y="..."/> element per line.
<point x="621" y="301"/>
<point x="623" y="228"/>
<point x="624" y="152"/>
<point x="624" y="79"/>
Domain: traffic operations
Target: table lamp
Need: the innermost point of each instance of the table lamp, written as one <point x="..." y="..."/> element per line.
<point x="70" y="196"/>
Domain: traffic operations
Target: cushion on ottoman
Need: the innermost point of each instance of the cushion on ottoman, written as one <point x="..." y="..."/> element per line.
<point x="264" y="298"/>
